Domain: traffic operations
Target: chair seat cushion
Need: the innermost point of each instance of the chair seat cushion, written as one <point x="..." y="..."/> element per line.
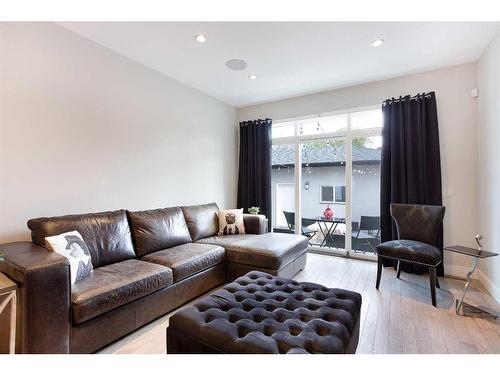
<point x="114" y="285"/>
<point x="188" y="259"/>
<point x="307" y="230"/>
<point x="413" y="251"/>
<point x="270" y="250"/>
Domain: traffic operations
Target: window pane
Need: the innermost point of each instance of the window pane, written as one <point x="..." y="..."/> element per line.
<point x="283" y="129"/>
<point x="283" y="187"/>
<point x="340" y="194"/>
<point x="365" y="210"/>
<point x="366" y="119"/>
<point x="322" y="169"/>
<point x="323" y="125"/>
<point x="326" y="194"/>
<point x="334" y="123"/>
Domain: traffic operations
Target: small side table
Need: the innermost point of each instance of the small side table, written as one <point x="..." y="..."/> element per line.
<point x="461" y="307"/>
<point x="7" y="315"/>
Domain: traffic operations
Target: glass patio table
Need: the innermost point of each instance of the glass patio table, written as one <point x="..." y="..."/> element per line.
<point x="327" y="226"/>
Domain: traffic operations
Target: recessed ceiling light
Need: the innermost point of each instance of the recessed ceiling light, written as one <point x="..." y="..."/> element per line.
<point x="236" y="64"/>
<point x="200" y="38"/>
<point x="378" y="42"/>
<point x="252" y="76"/>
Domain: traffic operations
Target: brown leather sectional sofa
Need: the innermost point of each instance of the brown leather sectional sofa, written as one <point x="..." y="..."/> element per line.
<point x="146" y="264"/>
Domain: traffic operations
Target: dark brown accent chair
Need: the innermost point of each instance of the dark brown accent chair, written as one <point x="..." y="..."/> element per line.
<point x="417" y="228"/>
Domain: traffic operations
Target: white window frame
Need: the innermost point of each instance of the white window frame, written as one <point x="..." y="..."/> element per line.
<point x="335" y="193"/>
<point x="348" y="135"/>
<point x="334" y="201"/>
<point x="321" y="194"/>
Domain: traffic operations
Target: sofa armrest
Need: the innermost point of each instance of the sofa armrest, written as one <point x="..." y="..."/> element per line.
<point x="255" y="224"/>
<point x="43" y="295"/>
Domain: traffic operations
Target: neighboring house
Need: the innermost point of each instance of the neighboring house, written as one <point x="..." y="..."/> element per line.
<point x="323" y="180"/>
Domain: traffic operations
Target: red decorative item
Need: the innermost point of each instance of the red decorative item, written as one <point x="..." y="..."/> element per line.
<point x="328" y="212"/>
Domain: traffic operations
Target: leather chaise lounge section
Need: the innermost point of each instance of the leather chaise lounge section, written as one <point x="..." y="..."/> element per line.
<point x="146" y="263"/>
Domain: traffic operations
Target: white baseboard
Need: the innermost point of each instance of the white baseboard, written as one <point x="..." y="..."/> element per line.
<point x="457" y="271"/>
<point x="461" y="271"/>
<point x="493" y="289"/>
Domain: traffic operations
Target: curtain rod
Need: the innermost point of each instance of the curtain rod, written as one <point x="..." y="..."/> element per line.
<point x="258" y="121"/>
<point x="403" y="98"/>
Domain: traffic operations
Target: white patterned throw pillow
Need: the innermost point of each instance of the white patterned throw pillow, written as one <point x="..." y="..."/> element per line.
<point x="72" y="246"/>
<point x="231" y="222"/>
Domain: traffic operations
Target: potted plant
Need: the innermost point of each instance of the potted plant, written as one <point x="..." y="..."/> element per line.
<point x="254" y="210"/>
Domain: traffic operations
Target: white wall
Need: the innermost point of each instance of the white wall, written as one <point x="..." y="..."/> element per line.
<point x="458" y="136"/>
<point x="489" y="162"/>
<point x="84" y="129"/>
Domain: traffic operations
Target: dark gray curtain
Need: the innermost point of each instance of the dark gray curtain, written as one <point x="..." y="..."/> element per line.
<point x="411" y="166"/>
<point x="254" y="179"/>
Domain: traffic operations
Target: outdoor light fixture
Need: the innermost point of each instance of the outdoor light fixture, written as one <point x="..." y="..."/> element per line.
<point x="200" y="38"/>
<point x="378" y="42"/>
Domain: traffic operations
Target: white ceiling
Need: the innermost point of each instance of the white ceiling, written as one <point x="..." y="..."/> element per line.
<point x="289" y="59"/>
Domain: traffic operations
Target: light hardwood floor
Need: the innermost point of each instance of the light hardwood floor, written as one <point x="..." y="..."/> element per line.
<point x="398" y="318"/>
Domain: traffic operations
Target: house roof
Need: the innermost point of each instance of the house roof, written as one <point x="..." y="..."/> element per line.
<point x="324" y="155"/>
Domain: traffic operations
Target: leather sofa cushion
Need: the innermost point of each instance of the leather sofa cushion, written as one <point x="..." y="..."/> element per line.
<point x="106" y="234"/>
<point x="159" y="229"/>
<point x="255" y="224"/>
<point x="270" y="250"/>
<point x="112" y="286"/>
<point x="414" y="251"/>
<point x="225" y="240"/>
<point x="188" y="259"/>
<point x="202" y="220"/>
<point x="259" y="313"/>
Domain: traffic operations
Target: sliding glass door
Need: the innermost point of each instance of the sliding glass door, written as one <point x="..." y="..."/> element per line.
<point x="323" y="193"/>
<point x="326" y="178"/>
<point x="283" y="187"/>
<point x="365" y="187"/>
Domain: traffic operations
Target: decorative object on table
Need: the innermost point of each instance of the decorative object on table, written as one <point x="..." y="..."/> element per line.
<point x="7" y="306"/>
<point x="71" y="246"/>
<point x="417" y="229"/>
<point x="254" y="210"/>
<point x="231" y="222"/>
<point x="464" y="308"/>
<point x="328" y="212"/>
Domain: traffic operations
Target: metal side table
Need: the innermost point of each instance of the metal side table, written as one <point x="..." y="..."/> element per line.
<point x="464" y="308"/>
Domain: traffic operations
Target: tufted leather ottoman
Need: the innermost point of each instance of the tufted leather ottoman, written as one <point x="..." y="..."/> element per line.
<point x="261" y="313"/>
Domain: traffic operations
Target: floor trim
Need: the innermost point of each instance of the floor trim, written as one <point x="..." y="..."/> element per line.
<point x="493" y="289"/>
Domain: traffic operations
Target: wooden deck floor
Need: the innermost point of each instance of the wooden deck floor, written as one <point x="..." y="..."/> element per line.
<point x="398" y="318"/>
